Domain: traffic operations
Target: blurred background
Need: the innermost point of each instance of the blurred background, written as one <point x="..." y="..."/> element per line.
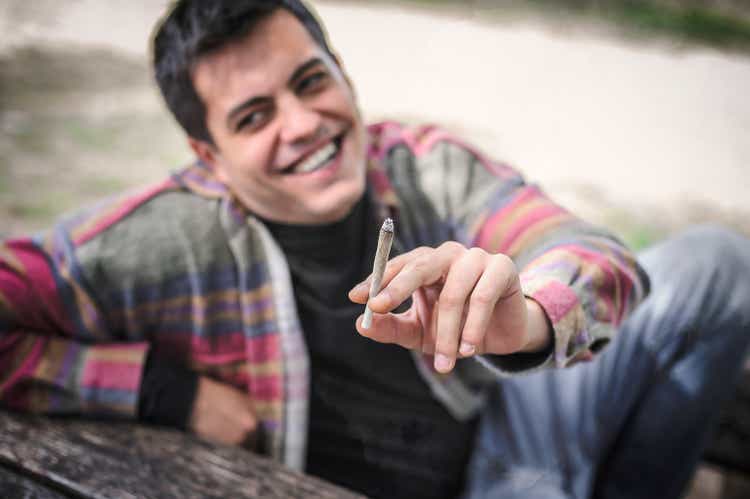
<point x="635" y="114"/>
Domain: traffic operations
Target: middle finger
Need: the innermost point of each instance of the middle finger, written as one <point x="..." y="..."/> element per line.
<point x="459" y="283"/>
<point x="424" y="270"/>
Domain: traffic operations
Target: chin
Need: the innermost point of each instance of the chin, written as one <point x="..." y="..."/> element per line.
<point x="338" y="206"/>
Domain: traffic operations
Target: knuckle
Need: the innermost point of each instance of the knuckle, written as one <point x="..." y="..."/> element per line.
<point x="420" y="252"/>
<point x="451" y="300"/>
<point x="419" y="267"/>
<point x="482" y="298"/>
<point x="475" y="251"/>
<point x="396" y="288"/>
<point x="505" y="262"/>
<point x="452" y="246"/>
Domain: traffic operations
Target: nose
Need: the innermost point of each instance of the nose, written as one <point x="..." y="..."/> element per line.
<point x="300" y="123"/>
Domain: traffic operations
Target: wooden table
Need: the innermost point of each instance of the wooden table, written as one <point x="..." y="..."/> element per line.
<point x="61" y="458"/>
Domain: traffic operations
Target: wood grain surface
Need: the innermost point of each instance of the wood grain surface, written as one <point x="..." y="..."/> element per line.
<point x="96" y="459"/>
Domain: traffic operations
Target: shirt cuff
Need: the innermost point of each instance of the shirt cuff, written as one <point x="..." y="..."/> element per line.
<point x="566" y="314"/>
<point x="522" y="362"/>
<point x="167" y="392"/>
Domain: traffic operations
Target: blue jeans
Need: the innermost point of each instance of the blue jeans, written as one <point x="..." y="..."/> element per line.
<point x="633" y="422"/>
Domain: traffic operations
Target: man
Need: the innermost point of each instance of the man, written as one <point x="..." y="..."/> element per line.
<point x="218" y="301"/>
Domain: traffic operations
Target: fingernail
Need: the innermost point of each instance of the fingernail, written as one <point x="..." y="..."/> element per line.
<point x="467" y="349"/>
<point x="443" y="363"/>
<point x="360" y="287"/>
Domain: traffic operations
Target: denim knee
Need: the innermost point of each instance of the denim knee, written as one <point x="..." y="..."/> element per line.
<point x="705" y="271"/>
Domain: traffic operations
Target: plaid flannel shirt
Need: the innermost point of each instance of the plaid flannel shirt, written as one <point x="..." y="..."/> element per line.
<point x="182" y="268"/>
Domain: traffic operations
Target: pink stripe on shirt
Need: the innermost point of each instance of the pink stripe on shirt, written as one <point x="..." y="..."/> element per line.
<point x="527" y="222"/>
<point x="40" y="286"/>
<point x="111" y="375"/>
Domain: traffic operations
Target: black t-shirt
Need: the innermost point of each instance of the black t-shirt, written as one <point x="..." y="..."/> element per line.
<point x="374" y="425"/>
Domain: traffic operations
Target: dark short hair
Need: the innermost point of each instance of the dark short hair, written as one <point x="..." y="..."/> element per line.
<point x="196" y="28"/>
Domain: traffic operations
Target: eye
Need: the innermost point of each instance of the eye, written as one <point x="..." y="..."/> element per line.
<point x="253" y="120"/>
<point x="312" y="82"/>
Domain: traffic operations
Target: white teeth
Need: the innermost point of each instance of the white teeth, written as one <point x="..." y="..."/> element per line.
<point x="318" y="159"/>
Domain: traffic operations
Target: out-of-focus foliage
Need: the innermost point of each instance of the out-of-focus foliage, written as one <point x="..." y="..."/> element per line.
<point x="722" y="23"/>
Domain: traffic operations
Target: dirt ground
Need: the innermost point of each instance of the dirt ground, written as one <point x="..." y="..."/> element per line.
<point x="644" y="135"/>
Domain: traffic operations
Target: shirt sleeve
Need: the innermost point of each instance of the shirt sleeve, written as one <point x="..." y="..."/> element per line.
<point x="584" y="278"/>
<point x="54" y="356"/>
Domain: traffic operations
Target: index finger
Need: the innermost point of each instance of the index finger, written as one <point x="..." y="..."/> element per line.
<point x="360" y="292"/>
<point x="423" y="270"/>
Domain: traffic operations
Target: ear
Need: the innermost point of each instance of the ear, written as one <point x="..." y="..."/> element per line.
<point x="209" y="155"/>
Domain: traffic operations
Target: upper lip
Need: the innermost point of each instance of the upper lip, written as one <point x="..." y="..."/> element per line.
<point x="306" y="154"/>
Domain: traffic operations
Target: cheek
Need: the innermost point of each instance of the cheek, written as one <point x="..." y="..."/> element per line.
<point x="250" y="159"/>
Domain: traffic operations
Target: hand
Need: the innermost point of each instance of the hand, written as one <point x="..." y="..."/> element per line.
<point x="464" y="302"/>
<point x="222" y="414"/>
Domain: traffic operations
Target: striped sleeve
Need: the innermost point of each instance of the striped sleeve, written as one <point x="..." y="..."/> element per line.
<point x="583" y="277"/>
<point x="49" y="362"/>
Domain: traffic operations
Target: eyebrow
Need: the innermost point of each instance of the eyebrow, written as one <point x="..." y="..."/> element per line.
<point x="301" y="69"/>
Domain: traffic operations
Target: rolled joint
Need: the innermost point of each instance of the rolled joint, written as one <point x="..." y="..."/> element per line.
<point x="385" y="240"/>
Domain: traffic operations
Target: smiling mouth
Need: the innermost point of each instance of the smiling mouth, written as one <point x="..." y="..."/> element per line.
<point x="317" y="160"/>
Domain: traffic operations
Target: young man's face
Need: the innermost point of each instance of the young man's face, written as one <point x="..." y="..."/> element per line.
<point x="288" y="138"/>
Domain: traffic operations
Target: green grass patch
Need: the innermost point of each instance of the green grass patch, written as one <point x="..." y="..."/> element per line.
<point x="89" y="136"/>
<point x="640" y="237"/>
<point x="103" y="185"/>
<point x="635" y="231"/>
<point x="38" y="209"/>
<point x="696" y="23"/>
<point x="693" y="23"/>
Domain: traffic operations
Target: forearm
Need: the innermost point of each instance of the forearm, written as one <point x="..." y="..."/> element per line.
<point x="586" y="286"/>
<point x="585" y="281"/>
<point x="59" y="376"/>
<point x="49" y="363"/>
